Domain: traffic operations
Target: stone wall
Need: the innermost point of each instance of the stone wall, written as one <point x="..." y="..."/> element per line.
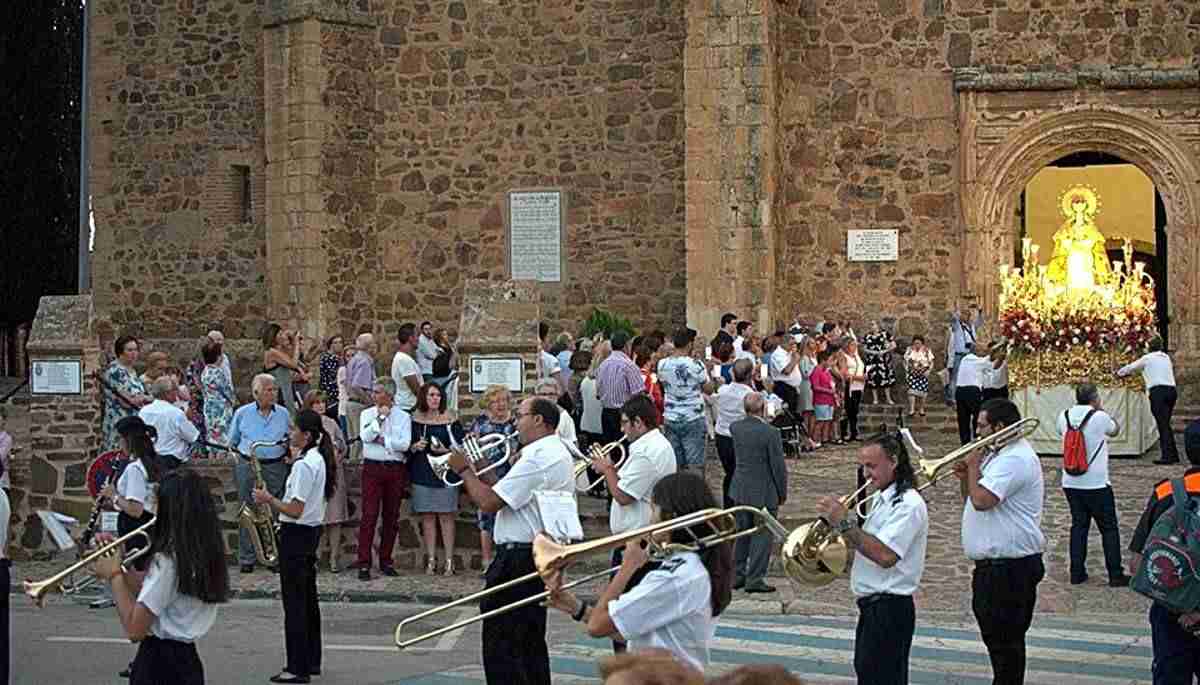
<point x="870" y="136"/>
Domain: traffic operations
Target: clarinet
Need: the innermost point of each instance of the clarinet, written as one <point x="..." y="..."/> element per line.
<point x="85" y="540"/>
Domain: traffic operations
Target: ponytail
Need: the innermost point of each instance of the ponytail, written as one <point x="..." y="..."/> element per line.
<point x="310" y="423"/>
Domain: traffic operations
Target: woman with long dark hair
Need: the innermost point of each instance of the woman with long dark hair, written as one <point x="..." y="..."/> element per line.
<point x="313" y="480"/>
<point x="175" y="602"/>
<point x="675" y="606"/>
<point x="133" y="495"/>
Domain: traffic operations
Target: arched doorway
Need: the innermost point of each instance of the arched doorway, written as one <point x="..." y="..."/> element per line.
<point x="1132" y="208"/>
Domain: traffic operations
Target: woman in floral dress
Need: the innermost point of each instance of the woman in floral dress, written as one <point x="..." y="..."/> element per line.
<point x="129" y="396"/>
<point x="918" y="362"/>
<point x="877" y="347"/>
<point x="328" y="364"/>
<point x="219" y="397"/>
<point x="497" y="417"/>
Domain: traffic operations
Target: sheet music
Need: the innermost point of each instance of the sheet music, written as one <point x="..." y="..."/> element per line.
<point x="560" y="514"/>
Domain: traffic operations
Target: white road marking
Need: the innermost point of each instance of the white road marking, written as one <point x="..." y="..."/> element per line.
<point x="105" y="640"/>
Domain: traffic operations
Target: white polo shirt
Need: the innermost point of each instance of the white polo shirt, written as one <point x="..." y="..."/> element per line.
<point x="544" y="464"/>
<point x="176" y="616"/>
<point x="779" y="360"/>
<point x="1013" y="528"/>
<point x="731" y="406"/>
<point x="306" y="483"/>
<point x="971" y="371"/>
<point x="651" y="457"/>
<point x="903" y="527"/>
<point x="175" y="432"/>
<point x="1156" y="369"/>
<point x="671" y="609"/>
<point x="134" y="485"/>
<point x="1095" y="441"/>
<point x="402" y="367"/>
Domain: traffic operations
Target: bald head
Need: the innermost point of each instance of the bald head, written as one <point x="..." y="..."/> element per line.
<point x="754" y="404"/>
<point x="742" y="369"/>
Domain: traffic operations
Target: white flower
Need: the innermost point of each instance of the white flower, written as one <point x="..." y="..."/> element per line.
<point x="1074" y="341"/>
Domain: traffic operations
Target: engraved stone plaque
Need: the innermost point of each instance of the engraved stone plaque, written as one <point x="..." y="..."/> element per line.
<point x="535" y="221"/>
<point x="876" y="245"/>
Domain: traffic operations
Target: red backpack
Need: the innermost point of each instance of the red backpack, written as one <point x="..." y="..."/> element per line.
<point x="1075" y="456"/>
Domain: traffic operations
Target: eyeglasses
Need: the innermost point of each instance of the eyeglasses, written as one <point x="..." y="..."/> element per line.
<point x="521" y="415"/>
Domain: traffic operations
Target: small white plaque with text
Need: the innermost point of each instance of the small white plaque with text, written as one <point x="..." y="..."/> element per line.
<point x="873" y="245"/>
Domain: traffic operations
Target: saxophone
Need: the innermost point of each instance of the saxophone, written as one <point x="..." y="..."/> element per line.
<point x="257" y="519"/>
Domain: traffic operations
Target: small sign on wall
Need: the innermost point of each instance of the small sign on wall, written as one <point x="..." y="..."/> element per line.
<point x="874" y="245"/>
<point x="506" y="371"/>
<point x="56" y="377"/>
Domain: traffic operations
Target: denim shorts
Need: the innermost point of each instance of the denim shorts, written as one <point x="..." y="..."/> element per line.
<point x="823" y="412"/>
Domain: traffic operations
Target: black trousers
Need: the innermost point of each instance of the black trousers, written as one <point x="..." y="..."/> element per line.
<point x="1162" y="405"/>
<point x="514" y="643"/>
<point x="166" y="662"/>
<point x="789" y="395"/>
<point x="1087" y="505"/>
<point x="729" y="463"/>
<point x="1003" y="596"/>
<point x="298" y="585"/>
<point x="993" y="393"/>
<point x="610" y="424"/>
<point x="5" y="577"/>
<point x="849" y="422"/>
<point x="1176" y="651"/>
<point x="966" y="404"/>
<point x="127" y="524"/>
<point x="883" y="639"/>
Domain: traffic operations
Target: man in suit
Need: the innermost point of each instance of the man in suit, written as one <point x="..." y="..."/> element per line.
<point x="759" y="480"/>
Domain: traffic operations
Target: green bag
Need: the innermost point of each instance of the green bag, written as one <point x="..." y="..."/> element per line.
<point x="1170" y="569"/>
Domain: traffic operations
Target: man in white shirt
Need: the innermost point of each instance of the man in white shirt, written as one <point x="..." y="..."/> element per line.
<point x="427" y="350"/>
<point x="406" y="373"/>
<point x="973" y="372"/>
<point x="1158" y="374"/>
<point x="741" y="346"/>
<point x="961" y="342"/>
<point x="650" y="458"/>
<point x="386" y="432"/>
<point x="995" y="382"/>
<point x="1090" y="495"/>
<point x="549" y="363"/>
<point x="889" y="559"/>
<point x="175" y="433"/>
<point x="786" y="376"/>
<point x="514" y="643"/>
<point x="1002" y="534"/>
<point x="731" y="408"/>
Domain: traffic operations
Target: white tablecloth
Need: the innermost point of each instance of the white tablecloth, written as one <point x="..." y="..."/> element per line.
<point x="1130" y="409"/>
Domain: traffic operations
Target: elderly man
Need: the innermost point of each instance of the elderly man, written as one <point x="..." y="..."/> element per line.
<point x="175" y="433"/>
<point x="759" y="480"/>
<point x="731" y="408"/>
<point x="548" y="389"/>
<point x="617" y="379"/>
<point x="386" y="432"/>
<point x="360" y="380"/>
<point x="260" y="421"/>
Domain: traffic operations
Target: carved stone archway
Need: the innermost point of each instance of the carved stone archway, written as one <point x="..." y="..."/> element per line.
<point x="1009" y="134"/>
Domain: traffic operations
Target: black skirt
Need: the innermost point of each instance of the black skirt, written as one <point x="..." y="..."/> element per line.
<point x="166" y="662"/>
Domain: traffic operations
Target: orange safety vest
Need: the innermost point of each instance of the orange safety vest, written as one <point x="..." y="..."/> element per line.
<point x="1191" y="483"/>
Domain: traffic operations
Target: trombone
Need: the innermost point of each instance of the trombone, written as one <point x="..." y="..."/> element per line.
<point x="582" y="461"/>
<point x="479" y="454"/>
<point x="549" y="557"/>
<point x="62" y="582"/>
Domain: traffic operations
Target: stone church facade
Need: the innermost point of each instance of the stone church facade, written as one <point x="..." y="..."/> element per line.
<point x="343" y="165"/>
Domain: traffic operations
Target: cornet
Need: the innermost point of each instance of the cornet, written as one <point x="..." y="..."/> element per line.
<point x="582" y="462"/>
<point x="61" y="581"/>
<point x="480" y="452"/>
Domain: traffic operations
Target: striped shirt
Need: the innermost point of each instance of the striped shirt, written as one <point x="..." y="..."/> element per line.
<point x="618" y="379"/>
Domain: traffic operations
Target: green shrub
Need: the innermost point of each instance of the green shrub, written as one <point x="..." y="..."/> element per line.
<point x="603" y="322"/>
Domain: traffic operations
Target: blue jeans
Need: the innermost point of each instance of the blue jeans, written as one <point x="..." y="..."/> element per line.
<point x="687" y="439"/>
<point x="948" y="390"/>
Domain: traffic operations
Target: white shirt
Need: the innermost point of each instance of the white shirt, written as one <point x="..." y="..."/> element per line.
<point x="780" y="358"/>
<point x="176" y="616"/>
<point x="971" y="371"/>
<point x="670" y="609"/>
<point x="1013" y="528"/>
<point x="134" y="485"/>
<point x="427" y="351"/>
<point x="387" y="439"/>
<point x="544" y="464"/>
<point x="731" y="406"/>
<point x="1095" y="441"/>
<point x="1156" y="369"/>
<point x="855" y="366"/>
<point x="651" y="457"/>
<point x="590" y="421"/>
<point x="5" y="515"/>
<point x="737" y="344"/>
<point x="175" y="432"/>
<point x="902" y="527"/>
<point x="402" y="367"/>
<point x="306" y="483"/>
<point x="996" y="378"/>
<point x="549" y="364"/>
<point x="566" y="427"/>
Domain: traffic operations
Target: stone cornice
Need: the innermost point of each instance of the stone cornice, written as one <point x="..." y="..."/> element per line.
<point x="279" y="12"/>
<point x="973" y="79"/>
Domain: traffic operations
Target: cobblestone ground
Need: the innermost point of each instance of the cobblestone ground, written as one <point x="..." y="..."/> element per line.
<point x="831" y="470"/>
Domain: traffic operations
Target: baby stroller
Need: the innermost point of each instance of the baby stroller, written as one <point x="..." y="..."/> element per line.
<point x="791" y="427"/>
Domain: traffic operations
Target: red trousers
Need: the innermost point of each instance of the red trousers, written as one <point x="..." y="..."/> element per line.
<point x="384" y="485"/>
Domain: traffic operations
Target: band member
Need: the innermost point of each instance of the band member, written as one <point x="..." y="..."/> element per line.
<point x="514" y="643"/>
<point x="176" y="600"/>
<point x="133" y="496"/>
<point x="1002" y="534"/>
<point x="888" y="562"/>
<point x="312" y="481"/>
<point x="675" y="606"/>
<point x="649" y="460"/>
<point x="259" y="421"/>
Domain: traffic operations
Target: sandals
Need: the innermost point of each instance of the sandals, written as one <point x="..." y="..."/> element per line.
<point x="431" y="567"/>
<point x="449" y="567"/>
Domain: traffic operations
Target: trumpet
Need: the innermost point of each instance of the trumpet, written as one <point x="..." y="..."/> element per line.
<point x="62" y="582"/>
<point x="814" y="554"/>
<point x="582" y="461"/>
<point x="550" y="557"/>
<point x="481" y="454"/>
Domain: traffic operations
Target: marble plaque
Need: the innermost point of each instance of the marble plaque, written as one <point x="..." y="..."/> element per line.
<point x="56" y="377"/>
<point x="876" y="245"/>
<point x="506" y="371"/>
<point x="535" y="221"/>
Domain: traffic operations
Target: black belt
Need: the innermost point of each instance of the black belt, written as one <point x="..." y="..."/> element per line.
<point x="864" y="602"/>
<point x="270" y="461"/>
<point x="515" y="546"/>
<point x="380" y="462"/>
<point x="983" y="563"/>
